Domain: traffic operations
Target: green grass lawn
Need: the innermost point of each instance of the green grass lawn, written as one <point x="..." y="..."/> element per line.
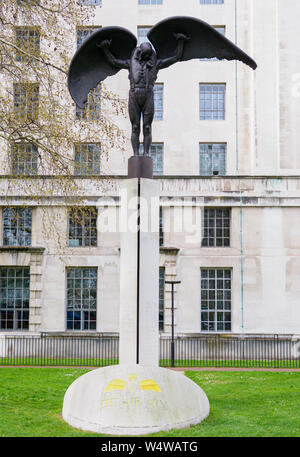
<point x="242" y="403"/>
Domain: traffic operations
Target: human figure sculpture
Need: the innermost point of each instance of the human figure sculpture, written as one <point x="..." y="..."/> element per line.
<point x="111" y="49"/>
<point x="143" y="68"/>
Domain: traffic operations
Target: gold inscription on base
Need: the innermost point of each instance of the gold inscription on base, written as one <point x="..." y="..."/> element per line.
<point x="126" y="393"/>
<point x="134" y="402"/>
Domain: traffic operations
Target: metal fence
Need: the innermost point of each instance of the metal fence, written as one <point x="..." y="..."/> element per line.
<point x="236" y="351"/>
<point x="48" y="350"/>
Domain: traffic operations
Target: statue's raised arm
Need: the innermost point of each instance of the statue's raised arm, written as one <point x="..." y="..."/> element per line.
<point x="167" y="62"/>
<point x="117" y="63"/>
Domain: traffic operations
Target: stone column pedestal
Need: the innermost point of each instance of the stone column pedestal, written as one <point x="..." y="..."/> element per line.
<point x="139" y="272"/>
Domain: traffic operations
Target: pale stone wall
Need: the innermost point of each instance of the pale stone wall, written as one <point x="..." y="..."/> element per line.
<point x="262" y="186"/>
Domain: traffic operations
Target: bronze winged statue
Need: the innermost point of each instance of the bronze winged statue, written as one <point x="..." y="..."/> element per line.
<point x="172" y="40"/>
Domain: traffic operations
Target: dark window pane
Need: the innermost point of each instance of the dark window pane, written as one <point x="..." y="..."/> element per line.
<point x="213" y="292"/>
<point x="81" y="296"/>
<point x="161" y="298"/>
<point x="26" y="101"/>
<point x="87" y="159"/>
<point x="14" y="298"/>
<point x="214" y="233"/>
<point x="156" y="152"/>
<point x="83" y="227"/>
<point x="212" y="101"/>
<point x="17" y="226"/>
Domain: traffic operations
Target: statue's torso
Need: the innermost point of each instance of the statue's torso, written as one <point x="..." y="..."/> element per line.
<point x="140" y="74"/>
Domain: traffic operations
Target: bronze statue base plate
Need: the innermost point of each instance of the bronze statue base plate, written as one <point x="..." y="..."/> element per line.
<point x="140" y="167"/>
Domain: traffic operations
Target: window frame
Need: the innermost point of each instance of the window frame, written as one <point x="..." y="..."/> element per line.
<point x="158" y="112"/>
<point x="94" y="101"/>
<point x="150" y="2"/>
<point x="161" y="301"/>
<point x="31" y="101"/>
<point x="90" y="2"/>
<point x="90" y="227"/>
<point x="17" y="227"/>
<point x="95" y="163"/>
<point x="215" y="310"/>
<point x="85" y="28"/>
<point x="153" y="145"/>
<point x="81" y="309"/>
<point x="211" y="102"/>
<point x="161" y="227"/>
<point x="143" y="27"/>
<point x="15" y="309"/>
<point x="215" y="228"/>
<point x="20" y="57"/>
<point x="16" y="162"/>
<point x="212" y="2"/>
<point x="219" y="153"/>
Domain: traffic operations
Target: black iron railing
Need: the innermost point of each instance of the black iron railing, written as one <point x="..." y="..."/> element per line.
<point x="49" y="350"/>
<point x="209" y="350"/>
<point x="236" y="351"/>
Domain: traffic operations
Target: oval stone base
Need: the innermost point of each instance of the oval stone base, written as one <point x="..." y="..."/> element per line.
<point x="133" y="400"/>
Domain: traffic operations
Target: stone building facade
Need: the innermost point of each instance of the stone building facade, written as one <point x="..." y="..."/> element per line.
<point x="226" y="156"/>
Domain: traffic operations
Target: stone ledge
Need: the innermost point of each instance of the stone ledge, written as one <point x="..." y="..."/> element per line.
<point x="169" y="250"/>
<point x="31" y="249"/>
<point x="73" y="334"/>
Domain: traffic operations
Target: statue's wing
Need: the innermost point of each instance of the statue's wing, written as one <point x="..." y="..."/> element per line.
<point x="115" y="384"/>
<point x="205" y="41"/>
<point x="149" y="384"/>
<point x="89" y="65"/>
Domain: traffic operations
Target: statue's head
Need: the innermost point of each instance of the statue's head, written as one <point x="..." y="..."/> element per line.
<point x="146" y="50"/>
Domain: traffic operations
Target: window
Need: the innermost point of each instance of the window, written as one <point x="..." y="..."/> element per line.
<point x="14" y="298"/>
<point x="24" y="159"/>
<point x="161" y="227"/>
<point x="158" y="101"/>
<point x="29" y="2"/>
<point x="161" y="318"/>
<point x="212" y="101"/>
<point x="91" y="2"/>
<point x="142" y="34"/>
<point x="17" y="225"/>
<point x="216" y="228"/>
<point x="83" y="227"/>
<point x="92" y="109"/>
<point x="81" y="298"/>
<point x="27" y="39"/>
<point x="211" y="2"/>
<point x="87" y="159"/>
<point x="150" y="2"/>
<point x="220" y="29"/>
<point x="215" y="299"/>
<point x="156" y="152"/>
<point x="26" y="101"/>
<point x="157" y="157"/>
<point x="85" y="32"/>
<point x="212" y="159"/>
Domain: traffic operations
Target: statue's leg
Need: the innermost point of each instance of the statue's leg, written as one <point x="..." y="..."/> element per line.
<point x="148" y="113"/>
<point x="135" y="119"/>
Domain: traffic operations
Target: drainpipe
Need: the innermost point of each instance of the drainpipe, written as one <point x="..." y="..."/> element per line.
<point x="236" y="96"/>
<point x="242" y="264"/>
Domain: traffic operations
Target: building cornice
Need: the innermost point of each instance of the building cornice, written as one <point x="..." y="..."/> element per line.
<point x="30" y="249"/>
